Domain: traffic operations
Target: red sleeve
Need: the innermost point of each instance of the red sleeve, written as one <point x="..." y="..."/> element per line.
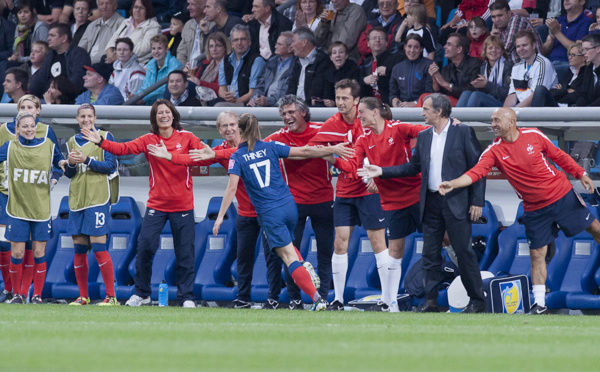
<point x="483" y="167"/>
<point x="413" y="130"/>
<point x="212" y="85"/>
<point x="562" y="159"/>
<point x="363" y="47"/>
<point x="136" y="146"/>
<point x="224" y="154"/>
<point x="351" y="165"/>
<point x="184" y="159"/>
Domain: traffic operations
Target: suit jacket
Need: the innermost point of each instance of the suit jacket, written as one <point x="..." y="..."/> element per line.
<point x="461" y="153"/>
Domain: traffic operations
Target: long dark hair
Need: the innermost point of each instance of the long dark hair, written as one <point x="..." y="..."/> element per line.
<point x="249" y="129"/>
<point x="176" y="117"/>
<point x="373" y="103"/>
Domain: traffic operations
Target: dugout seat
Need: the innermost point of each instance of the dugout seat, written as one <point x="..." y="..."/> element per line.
<point x="362" y="279"/>
<point x="124" y="226"/>
<point x="571" y="272"/>
<point x="61" y="249"/>
<point x="489" y="230"/>
<point x="213" y="281"/>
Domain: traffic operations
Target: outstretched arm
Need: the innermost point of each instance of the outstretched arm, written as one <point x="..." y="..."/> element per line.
<point x="319" y="152"/>
<point x="227" y="200"/>
<point x="457" y="183"/>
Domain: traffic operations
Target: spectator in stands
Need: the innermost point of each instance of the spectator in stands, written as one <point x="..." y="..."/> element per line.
<point x="60" y="92"/>
<point x="99" y="91"/>
<point x="7" y="40"/>
<point x="48" y="11"/>
<point x="192" y="37"/>
<point x="493" y="82"/>
<point x="128" y="74"/>
<point x="460" y="71"/>
<point x="416" y="23"/>
<point x="158" y="67"/>
<point x="431" y="21"/>
<point x="141" y="27"/>
<point x="410" y="78"/>
<point x="347" y="24"/>
<point x="177" y="85"/>
<point x="565" y="93"/>
<point x="15" y="84"/>
<point x="39" y="49"/>
<point x="266" y="27"/>
<point x="341" y="67"/>
<point x="595" y="27"/>
<point x="164" y="10"/>
<point x="68" y="11"/>
<point x="308" y="13"/>
<point x="466" y="10"/>
<point x="273" y="82"/>
<point x="389" y="18"/>
<point x="531" y="71"/>
<point x="588" y="90"/>
<point x="216" y="12"/>
<point x="311" y="63"/>
<point x="64" y="58"/>
<point x="376" y="69"/>
<point x="97" y="35"/>
<point x="81" y="12"/>
<point x="28" y="31"/>
<point x="239" y="71"/>
<point x="564" y="32"/>
<point x="207" y="75"/>
<point x="478" y="32"/>
<point x="507" y="25"/>
<point x="178" y="20"/>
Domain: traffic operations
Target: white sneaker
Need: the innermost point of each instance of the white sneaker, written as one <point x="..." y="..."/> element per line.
<point x="189" y="304"/>
<point x="136" y="300"/>
<point x="313" y="275"/>
<point x="394" y="307"/>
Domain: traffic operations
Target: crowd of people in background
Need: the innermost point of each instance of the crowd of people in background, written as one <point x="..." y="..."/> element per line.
<point x="490" y="52"/>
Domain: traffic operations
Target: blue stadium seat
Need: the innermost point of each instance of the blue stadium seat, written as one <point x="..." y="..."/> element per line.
<point x="213" y="277"/>
<point x="489" y="231"/>
<point x="61" y="249"/>
<point x="362" y="279"/>
<point x="124" y="226"/>
<point x="513" y="250"/>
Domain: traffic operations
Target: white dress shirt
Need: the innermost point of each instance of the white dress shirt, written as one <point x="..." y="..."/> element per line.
<point x="436" y="157"/>
<point x="263" y="39"/>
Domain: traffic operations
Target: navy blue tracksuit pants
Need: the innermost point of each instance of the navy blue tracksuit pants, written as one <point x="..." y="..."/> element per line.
<point x="184" y="233"/>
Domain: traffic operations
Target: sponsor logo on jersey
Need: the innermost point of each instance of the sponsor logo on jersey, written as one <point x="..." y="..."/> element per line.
<point x="231" y="164"/>
<point x="30" y="176"/>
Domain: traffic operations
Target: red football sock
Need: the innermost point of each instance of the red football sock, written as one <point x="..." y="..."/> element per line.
<point x="16" y="274"/>
<point x="39" y="278"/>
<point x="302" y="279"/>
<point x="28" y="263"/>
<point x="81" y="273"/>
<point x="298" y="254"/>
<point x="4" y="269"/>
<point x="108" y="274"/>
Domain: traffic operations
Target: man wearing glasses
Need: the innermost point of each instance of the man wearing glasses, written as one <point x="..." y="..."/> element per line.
<point x="531" y="71"/>
<point x="589" y="92"/>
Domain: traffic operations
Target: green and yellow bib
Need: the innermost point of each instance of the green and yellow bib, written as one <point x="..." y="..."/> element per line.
<point x="88" y="188"/>
<point x="29" y="172"/>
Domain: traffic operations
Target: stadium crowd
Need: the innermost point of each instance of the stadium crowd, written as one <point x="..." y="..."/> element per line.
<point x="359" y="56"/>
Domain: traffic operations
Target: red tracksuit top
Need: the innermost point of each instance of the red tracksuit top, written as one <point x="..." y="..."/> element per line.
<point x="309" y="180"/>
<point x="525" y="164"/>
<point x="391" y="147"/>
<point x="170" y="185"/>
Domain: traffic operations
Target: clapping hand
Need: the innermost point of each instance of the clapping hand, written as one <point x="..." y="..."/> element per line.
<point x="159" y="151"/>
<point x="76" y="157"/>
<point x="204" y="153"/>
<point x="91" y="135"/>
<point x="343" y="151"/>
<point x="369" y="171"/>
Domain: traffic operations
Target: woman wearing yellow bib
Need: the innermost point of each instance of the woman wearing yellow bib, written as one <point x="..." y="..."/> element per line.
<point x="94" y="184"/>
<point x="28" y="163"/>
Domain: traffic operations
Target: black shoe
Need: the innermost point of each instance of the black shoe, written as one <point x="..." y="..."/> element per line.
<point x="296" y="305"/>
<point x="473" y="308"/>
<point x="379" y="306"/>
<point x="36" y="300"/>
<point x="17" y="299"/>
<point x="271" y="304"/>
<point x="239" y="304"/>
<point x="335" y="306"/>
<point x="538" y="310"/>
<point x="426" y="308"/>
<point x="5" y="296"/>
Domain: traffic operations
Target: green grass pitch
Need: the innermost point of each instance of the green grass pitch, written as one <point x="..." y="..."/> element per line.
<point x="66" y="338"/>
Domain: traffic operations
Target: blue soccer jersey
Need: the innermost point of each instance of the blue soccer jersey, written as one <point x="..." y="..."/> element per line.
<point x="261" y="173"/>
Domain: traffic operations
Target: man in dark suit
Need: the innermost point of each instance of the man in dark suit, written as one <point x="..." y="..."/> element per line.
<point x="444" y="152"/>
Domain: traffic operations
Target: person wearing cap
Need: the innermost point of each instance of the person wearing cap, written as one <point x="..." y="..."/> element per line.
<point x="140" y="28"/>
<point x="99" y="91"/>
<point x="178" y="20"/>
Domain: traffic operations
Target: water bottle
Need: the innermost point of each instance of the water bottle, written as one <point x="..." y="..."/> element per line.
<point x="163" y="294"/>
<point x="365" y="163"/>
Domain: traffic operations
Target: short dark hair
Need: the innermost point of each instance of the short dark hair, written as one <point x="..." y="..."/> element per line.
<point x="349" y="83"/>
<point x="24" y="4"/>
<point x="463" y="42"/>
<point x="68" y="90"/>
<point x="177" y="72"/>
<point x="20" y="76"/>
<point x="378" y="29"/>
<point x="292" y="99"/>
<point x="62" y="29"/>
<point x="176" y="117"/>
<point x="499" y="5"/>
<point x="440" y="102"/>
<point x="415" y="37"/>
<point x="271" y="4"/>
<point x="336" y="44"/>
<point x="146" y="4"/>
<point x="593" y="39"/>
<point x="305" y="33"/>
<point x="125" y="40"/>
<point x="525" y="33"/>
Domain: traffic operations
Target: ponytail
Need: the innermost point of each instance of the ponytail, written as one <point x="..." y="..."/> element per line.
<point x="249" y="129"/>
<point x="373" y="103"/>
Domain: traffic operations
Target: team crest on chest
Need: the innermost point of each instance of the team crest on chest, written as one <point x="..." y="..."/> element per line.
<point x="178" y="146"/>
<point x="529" y="149"/>
<point x="390" y="141"/>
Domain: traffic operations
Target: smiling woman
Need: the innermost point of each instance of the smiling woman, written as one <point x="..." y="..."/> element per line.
<point x="169" y="199"/>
